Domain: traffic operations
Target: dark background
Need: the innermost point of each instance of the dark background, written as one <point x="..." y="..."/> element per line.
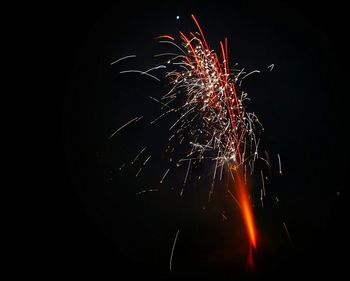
<point x="99" y="228"/>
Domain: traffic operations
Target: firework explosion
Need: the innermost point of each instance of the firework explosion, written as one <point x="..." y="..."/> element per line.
<point x="212" y="118"/>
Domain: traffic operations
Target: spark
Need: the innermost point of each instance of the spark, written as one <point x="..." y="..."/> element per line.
<point x="285" y="227"/>
<point x="138" y="155"/>
<point x="123" y="58"/>
<point x="141" y="72"/>
<point x="158" y="101"/>
<point x="263" y="182"/>
<point x="245" y="76"/>
<point x="279" y="164"/>
<point x="166" y="37"/>
<point x="147" y="190"/>
<point x="167" y="171"/>
<point x="122" y="166"/>
<point x="138" y="172"/>
<point x="154" y="68"/>
<point x="165" y="54"/>
<point x="234" y="198"/>
<point x="277" y="200"/>
<point x="172" y="250"/>
<point x="149" y="157"/>
<point x="261" y="198"/>
<point x="160" y="116"/>
<point x="126" y="124"/>
<point x="188" y="169"/>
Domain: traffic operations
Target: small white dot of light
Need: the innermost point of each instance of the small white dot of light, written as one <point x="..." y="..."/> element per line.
<point x="177" y="17"/>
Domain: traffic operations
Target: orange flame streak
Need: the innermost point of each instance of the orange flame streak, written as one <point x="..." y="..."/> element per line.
<point x="247" y="213"/>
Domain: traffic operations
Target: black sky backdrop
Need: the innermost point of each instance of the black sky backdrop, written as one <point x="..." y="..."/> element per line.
<point x="102" y="228"/>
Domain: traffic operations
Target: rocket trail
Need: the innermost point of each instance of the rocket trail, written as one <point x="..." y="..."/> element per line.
<point x="246" y="210"/>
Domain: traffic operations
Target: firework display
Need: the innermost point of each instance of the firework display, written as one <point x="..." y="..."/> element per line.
<point x="200" y="140"/>
<point x="213" y="123"/>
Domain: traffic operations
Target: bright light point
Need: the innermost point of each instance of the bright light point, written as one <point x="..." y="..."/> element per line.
<point x="177" y="17"/>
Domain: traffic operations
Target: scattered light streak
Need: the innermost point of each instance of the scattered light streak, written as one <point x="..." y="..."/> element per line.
<point x="123" y="58"/>
<point x="126" y="124"/>
<point x="147" y="190"/>
<point x="263" y="182"/>
<point x="172" y="250"/>
<point x="167" y="171"/>
<point x="138" y="155"/>
<point x="141" y="72"/>
<point x="149" y="157"/>
<point x="285" y="227"/>
<point x="271" y="66"/>
<point x="279" y="164"/>
<point x="138" y="172"/>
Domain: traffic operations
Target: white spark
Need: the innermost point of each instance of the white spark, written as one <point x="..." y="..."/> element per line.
<point x="172" y="250"/>
<point x="123" y="58"/>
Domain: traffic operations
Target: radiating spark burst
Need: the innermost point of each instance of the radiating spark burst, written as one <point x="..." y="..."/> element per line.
<point x="213" y="120"/>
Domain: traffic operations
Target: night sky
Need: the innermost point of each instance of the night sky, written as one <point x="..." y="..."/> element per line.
<point x="104" y="228"/>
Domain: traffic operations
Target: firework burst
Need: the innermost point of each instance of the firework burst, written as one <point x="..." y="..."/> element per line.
<point x="213" y="121"/>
